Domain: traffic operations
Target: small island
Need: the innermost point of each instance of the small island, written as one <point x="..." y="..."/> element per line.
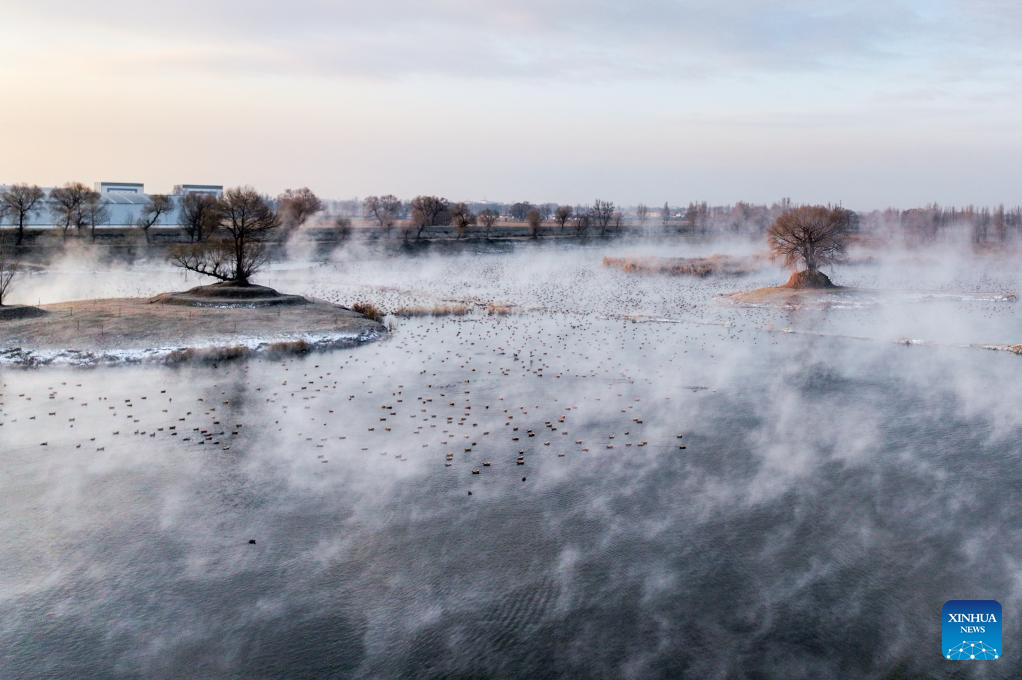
<point x="805" y="238"/>
<point x="230" y="319"/>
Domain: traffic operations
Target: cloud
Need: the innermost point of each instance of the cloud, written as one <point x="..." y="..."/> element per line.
<point x="563" y="39"/>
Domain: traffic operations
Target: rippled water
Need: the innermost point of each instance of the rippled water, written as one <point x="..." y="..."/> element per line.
<point x="701" y="493"/>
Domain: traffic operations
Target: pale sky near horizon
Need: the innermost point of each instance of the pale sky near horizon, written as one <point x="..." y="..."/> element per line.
<point x="868" y="103"/>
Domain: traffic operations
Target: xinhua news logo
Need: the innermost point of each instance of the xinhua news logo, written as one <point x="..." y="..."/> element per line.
<point x="971" y="630"/>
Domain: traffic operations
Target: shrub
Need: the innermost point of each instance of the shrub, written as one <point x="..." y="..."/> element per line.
<point x="368" y="310"/>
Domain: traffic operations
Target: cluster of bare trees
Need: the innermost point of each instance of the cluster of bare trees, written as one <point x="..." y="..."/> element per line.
<point x="386" y="210"/>
<point x="983" y="227"/>
<point x="426" y="211"/>
<point x="75" y="205"/>
<point x="296" y="206"/>
<point x="75" y="208"/>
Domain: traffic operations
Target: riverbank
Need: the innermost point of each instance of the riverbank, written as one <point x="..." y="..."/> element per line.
<point x="133" y="330"/>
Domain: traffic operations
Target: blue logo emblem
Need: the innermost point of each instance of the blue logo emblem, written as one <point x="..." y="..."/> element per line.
<point x="971" y="630"/>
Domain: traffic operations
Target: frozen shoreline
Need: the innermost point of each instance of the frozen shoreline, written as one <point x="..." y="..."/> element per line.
<point x="135" y="330"/>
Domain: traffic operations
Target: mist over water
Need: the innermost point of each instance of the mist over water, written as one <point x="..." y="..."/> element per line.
<point x="708" y="490"/>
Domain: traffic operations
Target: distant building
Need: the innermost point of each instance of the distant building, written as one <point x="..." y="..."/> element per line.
<point x="120" y="187"/>
<point x="210" y="189"/>
<point x="124" y="201"/>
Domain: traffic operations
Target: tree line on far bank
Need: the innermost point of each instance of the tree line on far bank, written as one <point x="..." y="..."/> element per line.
<point x="422" y="212"/>
<point x="229" y="234"/>
<point x="76" y="209"/>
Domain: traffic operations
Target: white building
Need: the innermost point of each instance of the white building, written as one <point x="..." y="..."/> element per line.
<point x="124" y="202"/>
<point x="120" y="187"/>
<point x="210" y="189"/>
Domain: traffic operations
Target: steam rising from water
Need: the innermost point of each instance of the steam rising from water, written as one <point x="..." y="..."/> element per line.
<point x="833" y="491"/>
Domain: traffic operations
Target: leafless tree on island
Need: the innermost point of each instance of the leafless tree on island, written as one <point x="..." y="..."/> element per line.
<point x="665" y="215"/>
<point x="21" y="202"/>
<point x="238" y="249"/>
<point x="200" y="215"/>
<point x="562" y="215"/>
<point x="295" y="206"/>
<point x="384" y="209"/>
<point x="488" y="218"/>
<point x="66" y="205"/>
<point x="810" y="237"/>
<point x="156" y="207"/>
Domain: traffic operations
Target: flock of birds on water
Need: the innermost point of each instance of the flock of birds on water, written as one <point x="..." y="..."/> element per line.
<point x="569" y="372"/>
<point x="434" y="389"/>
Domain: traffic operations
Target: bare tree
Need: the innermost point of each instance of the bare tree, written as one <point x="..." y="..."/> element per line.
<point x="66" y="205"/>
<point x="156" y="207"/>
<point x="247" y="221"/>
<point x="200" y="215"/>
<point x="535" y="221"/>
<point x="583" y="219"/>
<point x="562" y="215"/>
<point x="8" y="270"/>
<point x="461" y="218"/>
<point x="812" y="236"/>
<point x="488" y="217"/>
<point x="603" y="213"/>
<point x="520" y="210"/>
<point x="642" y="214"/>
<point x="94" y="211"/>
<point x="297" y="205"/>
<point x="342" y="228"/>
<point x="429" y="211"/>
<point x="22" y="201"/>
<point x="665" y="214"/>
<point x="384" y="209"/>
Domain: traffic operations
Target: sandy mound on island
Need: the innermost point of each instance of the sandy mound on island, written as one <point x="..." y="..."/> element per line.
<point x="802" y="287"/>
<point x="132" y="330"/>
<point x="229" y="294"/>
<point x="809" y="280"/>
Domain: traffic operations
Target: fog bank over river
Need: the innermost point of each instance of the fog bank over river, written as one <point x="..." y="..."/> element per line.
<point x="626" y="476"/>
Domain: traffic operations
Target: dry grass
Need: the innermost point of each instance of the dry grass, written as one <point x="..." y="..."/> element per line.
<point x="289" y="347"/>
<point x="368" y="310"/>
<point x="435" y="310"/>
<point x="726" y="265"/>
<point x="207" y="354"/>
<point x="496" y="309"/>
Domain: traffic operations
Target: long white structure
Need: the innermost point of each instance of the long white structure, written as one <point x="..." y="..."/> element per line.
<point x="124" y="202"/>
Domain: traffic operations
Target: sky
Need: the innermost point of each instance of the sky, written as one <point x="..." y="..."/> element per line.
<point x="867" y="103"/>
